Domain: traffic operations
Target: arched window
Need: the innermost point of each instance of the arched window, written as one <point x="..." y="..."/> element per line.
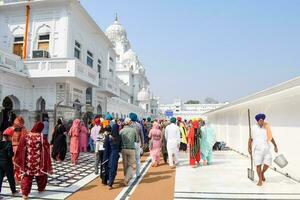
<point x="41" y="104"/>
<point x="99" y="110"/>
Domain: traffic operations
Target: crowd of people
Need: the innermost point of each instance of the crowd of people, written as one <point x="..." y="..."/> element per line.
<point x="25" y="155"/>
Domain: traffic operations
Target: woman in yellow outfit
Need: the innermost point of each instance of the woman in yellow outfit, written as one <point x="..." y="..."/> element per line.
<point x="183" y="135"/>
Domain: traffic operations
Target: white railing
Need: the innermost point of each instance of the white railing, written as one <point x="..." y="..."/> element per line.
<point x="109" y="85"/>
<point x="281" y="106"/>
<point x="61" y="68"/>
<point x="11" y="61"/>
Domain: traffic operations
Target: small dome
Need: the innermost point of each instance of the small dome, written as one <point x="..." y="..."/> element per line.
<point x="116" y="32"/>
<point x="130" y="55"/>
<point x="143" y="95"/>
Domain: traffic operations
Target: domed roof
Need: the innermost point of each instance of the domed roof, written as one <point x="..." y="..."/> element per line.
<point x="116" y="32"/>
<point x="143" y="95"/>
<point x="130" y="55"/>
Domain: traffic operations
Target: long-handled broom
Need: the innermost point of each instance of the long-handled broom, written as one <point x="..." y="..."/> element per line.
<point x="250" y="171"/>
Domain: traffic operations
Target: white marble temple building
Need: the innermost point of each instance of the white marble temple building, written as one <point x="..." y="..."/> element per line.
<point x="187" y="111"/>
<point x="59" y="59"/>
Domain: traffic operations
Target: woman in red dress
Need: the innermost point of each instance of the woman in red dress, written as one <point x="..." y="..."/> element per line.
<point x="74" y="141"/>
<point x="194" y="143"/>
<point x="33" y="160"/>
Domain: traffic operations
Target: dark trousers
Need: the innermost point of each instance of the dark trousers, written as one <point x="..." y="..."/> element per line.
<point x="26" y="183"/>
<point x="113" y="167"/>
<point x="99" y="161"/>
<point x="8" y="170"/>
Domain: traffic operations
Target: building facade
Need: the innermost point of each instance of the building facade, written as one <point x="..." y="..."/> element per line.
<point x="55" y="60"/>
<point x="187" y="111"/>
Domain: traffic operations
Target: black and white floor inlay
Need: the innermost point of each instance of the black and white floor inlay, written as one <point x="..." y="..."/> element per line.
<point x="65" y="180"/>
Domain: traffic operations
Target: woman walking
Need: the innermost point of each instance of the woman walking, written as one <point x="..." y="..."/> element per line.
<point x="6" y="163"/>
<point x="59" y="143"/>
<point x="155" y="136"/>
<point x="194" y="142"/>
<point x="33" y="159"/>
<point x="83" y="137"/>
<point x="112" y="145"/>
<point x="74" y="134"/>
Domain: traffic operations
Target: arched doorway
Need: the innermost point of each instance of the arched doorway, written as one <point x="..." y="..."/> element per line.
<point x="99" y="110"/>
<point x="77" y="105"/>
<point x="11" y="106"/>
<point x="41" y="113"/>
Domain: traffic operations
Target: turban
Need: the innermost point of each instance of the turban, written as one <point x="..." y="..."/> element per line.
<point x="173" y="120"/>
<point x="127" y="121"/>
<point x="19" y="121"/>
<point x="9" y="131"/>
<point x="179" y="119"/>
<point x="38" y="127"/>
<point x="149" y="119"/>
<point x="97" y="121"/>
<point x="260" y="116"/>
<point x="133" y="117"/>
<point x="108" y="117"/>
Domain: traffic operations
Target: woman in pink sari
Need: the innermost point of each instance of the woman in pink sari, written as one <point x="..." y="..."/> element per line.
<point x="155" y="135"/>
<point x="74" y="134"/>
<point x="83" y="137"/>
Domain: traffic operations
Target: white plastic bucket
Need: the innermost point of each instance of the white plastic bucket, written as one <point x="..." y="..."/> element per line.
<point x="281" y="161"/>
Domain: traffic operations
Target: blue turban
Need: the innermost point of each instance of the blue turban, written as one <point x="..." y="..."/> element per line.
<point x="108" y="117"/>
<point x="173" y="120"/>
<point x="133" y="117"/>
<point x="260" y="116"/>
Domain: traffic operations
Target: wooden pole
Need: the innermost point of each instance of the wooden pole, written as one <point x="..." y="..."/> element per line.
<point x="26" y="31"/>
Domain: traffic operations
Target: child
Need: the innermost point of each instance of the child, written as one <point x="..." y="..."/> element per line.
<point x="6" y="163"/>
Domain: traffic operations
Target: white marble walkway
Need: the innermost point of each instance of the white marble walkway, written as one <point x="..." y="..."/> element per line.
<point x="227" y="178"/>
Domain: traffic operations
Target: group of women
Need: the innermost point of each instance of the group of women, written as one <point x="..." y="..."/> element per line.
<point x="28" y="155"/>
<point x="195" y="135"/>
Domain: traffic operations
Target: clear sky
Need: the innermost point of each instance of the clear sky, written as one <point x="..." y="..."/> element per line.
<point x="224" y="49"/>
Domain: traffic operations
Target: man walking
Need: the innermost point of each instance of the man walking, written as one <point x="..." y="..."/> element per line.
<point x="261" y="137"/>
<point x="139" y="141"/>
<point x="128" y="138"/>
<point x="172" y="135"/>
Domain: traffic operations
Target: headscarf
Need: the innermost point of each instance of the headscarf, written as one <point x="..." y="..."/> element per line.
<point x="9" y="131"/>
<point x="19" y="122"/>
<point x="195" y="124"/>
<point x="133" y="117"/>
<point x="260" y="116"/>
<point x="173" y="120"/>
<point x="75" y="124"/>
<point x="38" y="127"/>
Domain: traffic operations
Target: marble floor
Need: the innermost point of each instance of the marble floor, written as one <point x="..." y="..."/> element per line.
<point x="66" y="179"/>
<point x="227" y="178"/>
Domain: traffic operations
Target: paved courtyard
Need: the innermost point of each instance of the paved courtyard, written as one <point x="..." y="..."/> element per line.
<point x="226" y="178"/>
<point x="66" y="178"/>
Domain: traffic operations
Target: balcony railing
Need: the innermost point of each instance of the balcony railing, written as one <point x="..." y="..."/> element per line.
<point x="11" y="62"/>
<point x="109" y="86"/>
<point x="62" y="68"/>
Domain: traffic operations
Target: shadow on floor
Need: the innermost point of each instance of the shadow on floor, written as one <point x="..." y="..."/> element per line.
<point x="155" y="179"/>
<point x="89" y="187"/>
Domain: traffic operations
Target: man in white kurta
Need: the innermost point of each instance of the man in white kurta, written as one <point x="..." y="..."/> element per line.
<point x="172" y="135"/>
<point x="259" y="144"/>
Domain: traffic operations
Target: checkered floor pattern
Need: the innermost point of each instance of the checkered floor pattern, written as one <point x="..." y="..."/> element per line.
<point x="66" y="178"/>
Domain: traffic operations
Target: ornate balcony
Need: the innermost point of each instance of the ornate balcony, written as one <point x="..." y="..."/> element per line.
<point x="11" y="63"/>
<point x="43" y="68"/>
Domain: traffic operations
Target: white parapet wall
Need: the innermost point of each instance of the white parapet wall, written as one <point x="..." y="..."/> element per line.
<point x="281" y="104"/>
